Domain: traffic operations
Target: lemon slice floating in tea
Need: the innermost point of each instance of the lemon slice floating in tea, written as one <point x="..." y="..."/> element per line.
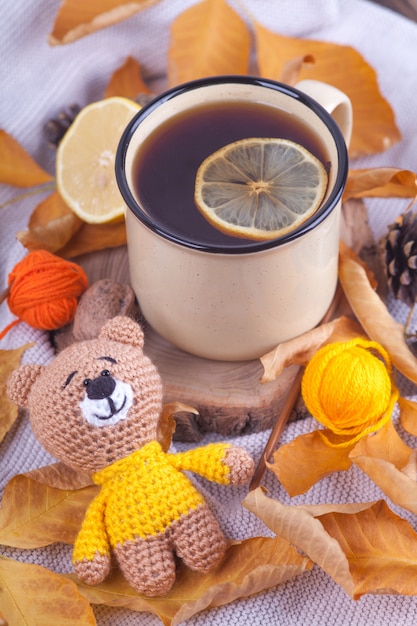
<point x="260" y="188"/>
<point x="85" y="160"/>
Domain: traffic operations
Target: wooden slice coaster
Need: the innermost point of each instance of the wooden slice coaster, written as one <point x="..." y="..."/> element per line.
<point x="229" y="397"/>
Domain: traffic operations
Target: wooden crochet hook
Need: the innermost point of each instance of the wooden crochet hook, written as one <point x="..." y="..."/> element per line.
<point x="290" y="401"/>
<point x="4" y="294"/>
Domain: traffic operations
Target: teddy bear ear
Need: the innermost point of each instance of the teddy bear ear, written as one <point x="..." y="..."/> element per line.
<point x="20" y="383"/>
<point x="124" y="330"/>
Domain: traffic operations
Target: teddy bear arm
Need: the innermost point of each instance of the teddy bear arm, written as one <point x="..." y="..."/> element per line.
<point x="240" y="464"/>
<point x="91" y="554"/>
<point x="218" y="462"/>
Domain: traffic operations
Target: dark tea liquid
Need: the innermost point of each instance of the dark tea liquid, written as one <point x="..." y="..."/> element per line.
<point x="167" y="161"/>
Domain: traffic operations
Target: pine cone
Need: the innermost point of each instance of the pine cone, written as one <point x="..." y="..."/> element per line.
<point x="56" y="127"/>
<point x="401" y="258"/>
<point x="144" y="98"/>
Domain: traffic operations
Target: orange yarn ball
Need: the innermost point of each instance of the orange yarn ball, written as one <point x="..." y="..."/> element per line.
<point x="347" y="387"/>
<point x="44" y="290"/>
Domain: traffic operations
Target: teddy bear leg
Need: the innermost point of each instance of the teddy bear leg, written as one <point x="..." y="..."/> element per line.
<point x="198" y="539"/>
<point x="147" y="564"/>
<point x="93" y="571"/>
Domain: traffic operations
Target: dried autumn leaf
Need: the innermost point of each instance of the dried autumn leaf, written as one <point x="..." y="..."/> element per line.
<point x="381" y="182"/>
<point x="75" y="19"/>
<point x="301" y="349"/>
<point x="167" y="424"/>
<point x="381" y="549"/>
<point x="94" y="237"/>
<point x="127" y="81"/>
<point x="356" y="233"/>
<point x="299" y="527"/>
<point x="33" y="595"/>
<point x="410" y="469"/>
<point x="355" y="229"/>
<point x="364" y="547"/>
<point x="61" y="476"/>
<point x="374" y="127"/>
<point x="51" y="225"/>
<point x="383" y="457"/>
<point x="9" y="361"/>
<point x="408" y="415"/>
<point x="374" y="316"/>
<point x="207" y="39"/>
<point x="248" y="568"/>
<point x="305" y="460"/>
<point x="33" y="515"/>
<point x="345" y="251"/>
<point x="17" y="168"/>
<point x="293" y="67"/>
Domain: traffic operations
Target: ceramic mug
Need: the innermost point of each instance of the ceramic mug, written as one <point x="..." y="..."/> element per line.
<point x="236" y="302"/>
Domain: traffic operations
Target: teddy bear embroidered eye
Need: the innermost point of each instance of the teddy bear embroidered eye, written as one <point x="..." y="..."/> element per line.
<point x="96" y="407"/>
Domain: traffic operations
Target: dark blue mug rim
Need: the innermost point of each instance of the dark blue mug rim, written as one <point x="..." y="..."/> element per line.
<point x="248" y="246"/>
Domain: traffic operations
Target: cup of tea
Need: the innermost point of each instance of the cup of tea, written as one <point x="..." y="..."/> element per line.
<point x="207" y="292"/>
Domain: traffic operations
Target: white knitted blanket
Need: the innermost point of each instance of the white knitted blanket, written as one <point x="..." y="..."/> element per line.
<point x="38" y="81"/>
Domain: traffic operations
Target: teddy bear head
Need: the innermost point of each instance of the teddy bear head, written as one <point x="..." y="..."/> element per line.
<point x="97" y="401"/>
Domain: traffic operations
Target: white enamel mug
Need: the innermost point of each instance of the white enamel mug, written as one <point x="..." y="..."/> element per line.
<point x="238" y="303"/>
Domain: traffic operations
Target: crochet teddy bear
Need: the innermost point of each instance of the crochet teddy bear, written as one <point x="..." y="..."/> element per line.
<point x="96" y="407"/>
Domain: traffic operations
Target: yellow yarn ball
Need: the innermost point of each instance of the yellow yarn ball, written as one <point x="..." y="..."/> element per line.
<point x="347" y="387"/>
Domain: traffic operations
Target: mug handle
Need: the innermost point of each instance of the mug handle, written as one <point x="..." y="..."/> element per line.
<point x="335" y="102"/>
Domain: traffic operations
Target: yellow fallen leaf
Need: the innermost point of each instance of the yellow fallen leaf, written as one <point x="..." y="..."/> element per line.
<point x="346" y="252"/>
<point x="33" y="515"/>
<point x="383" y="457"/>
<point x="381" y="549"/>
<point x="51" y="208"/>
<point x="408" y="415"/>
<point x="248" y="568"/>
<point x="381" y="182"/>
<point x="32" y="595"/>
<point x="293" y="67"/>
<point x="127" y="81"/>
<point x="374" y="127"/>
<point x="410" y="469"/>
<point x="355" y="230"/>
<point x="305" y="460"/>
<point x="301" y="349"/>
<point x="61" y="476"/>
<point x="208" y="39"/>
<point x="374" y="316"/>
<point x="17" y="167"/>
<point x="364" y="547"/>
<point x="9" y="361"/>
<point x="94" y="237"/>
<point x="77" y="19"/>
<point x="51" y="225"/>
<point x="299" y="527"/>
<point x="167" y="424"/>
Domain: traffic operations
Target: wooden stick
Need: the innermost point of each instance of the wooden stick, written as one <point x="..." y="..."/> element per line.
<point x="289" y="404"/>
<point x="4" y="294"/>
<point x="279" y="426"/>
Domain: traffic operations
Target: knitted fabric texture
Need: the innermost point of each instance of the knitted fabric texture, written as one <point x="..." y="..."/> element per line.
<point x="44" y="291"/>
<point x="311" y="599"/>
<point x="143" y="494"/>
<point x="347" y="387"/>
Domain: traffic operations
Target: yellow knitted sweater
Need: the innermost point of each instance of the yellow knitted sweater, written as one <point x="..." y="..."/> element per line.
<point x="142" y="494"/>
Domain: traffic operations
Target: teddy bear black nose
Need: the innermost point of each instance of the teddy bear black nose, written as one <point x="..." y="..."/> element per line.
<point x="100" y="387"/>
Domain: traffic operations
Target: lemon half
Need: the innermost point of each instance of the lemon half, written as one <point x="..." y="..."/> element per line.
<point x="85" y="160"/>
<point x="260" y="188"/>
